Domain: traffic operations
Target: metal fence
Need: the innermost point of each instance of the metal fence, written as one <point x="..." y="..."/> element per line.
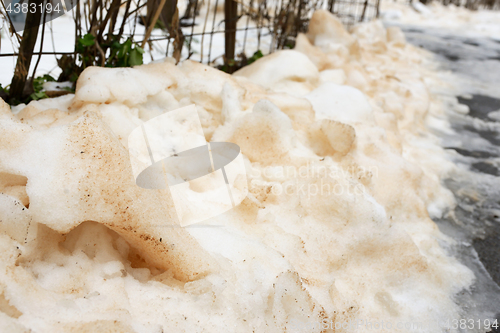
<point x="251" y="26"/>
<point x="246" y="26"/>
<point x="224" y="33"/>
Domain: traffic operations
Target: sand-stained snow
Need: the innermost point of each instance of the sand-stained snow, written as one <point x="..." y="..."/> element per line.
<point x="336" y="229"/>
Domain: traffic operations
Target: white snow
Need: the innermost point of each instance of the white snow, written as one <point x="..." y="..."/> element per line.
<point x="341" y="103"/>
<point x="444" y="18"/>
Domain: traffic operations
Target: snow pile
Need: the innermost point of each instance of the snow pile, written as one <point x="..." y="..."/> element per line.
<point x="335" y="229"/>
<point x="470" y="23"/>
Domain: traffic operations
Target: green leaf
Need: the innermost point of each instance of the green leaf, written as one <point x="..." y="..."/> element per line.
<point x="6" y="89"/>
<point x="136" y="56"/>
<point x="48" y="78"/>
<point x="87" y="40"/>
<point x="125" y="49"/>
<point x="159" y="25"/>
<point x="38" y="95"/>
<point x="257" y="55"/>
<point x="40" y="80"/>
<point x="73" y="77"/>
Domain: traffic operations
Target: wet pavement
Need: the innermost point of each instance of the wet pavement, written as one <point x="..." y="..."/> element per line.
<point x="475" y="147"/>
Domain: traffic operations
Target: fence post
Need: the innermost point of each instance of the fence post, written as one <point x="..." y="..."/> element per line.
<point x="364" y="11"/>
<point x="30" y="35"/>
<point x="230" y="20"/>
<point x="331" y="5"/>
<point x="298" y="20"/>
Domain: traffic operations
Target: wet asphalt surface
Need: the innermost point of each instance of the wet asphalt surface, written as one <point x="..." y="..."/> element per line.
<point x="475" y="147"/>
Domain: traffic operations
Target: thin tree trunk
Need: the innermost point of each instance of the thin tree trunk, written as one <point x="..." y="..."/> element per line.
<point x="25" y="51"/>
<point x="230" y="20"/>
<point x="171" y="20"/>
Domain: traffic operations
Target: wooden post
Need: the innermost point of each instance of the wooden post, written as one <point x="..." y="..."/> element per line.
<point x="331" y="5"/>
<point x="26" y="48"/>
<point x="364" y="11"/>
<point x="168" y="13"/>
<point x="230" y="20"/>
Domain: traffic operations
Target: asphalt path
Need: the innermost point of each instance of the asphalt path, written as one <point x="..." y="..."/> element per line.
<point x="475" y="147"/>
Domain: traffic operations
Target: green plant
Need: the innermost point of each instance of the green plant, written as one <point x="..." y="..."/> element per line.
<point x="126" y="54"/>
<point x="38" y="82"/>
<point x="4" y="90"/>
<point x="232" y="65"/>
<point x="256" y="56"/>
<point x="4" y="93"/>
<point x="160" y="25"/>
<point x="84" y="48"/>
<point x="68" y="89"/>
<point x="87" y="40"/>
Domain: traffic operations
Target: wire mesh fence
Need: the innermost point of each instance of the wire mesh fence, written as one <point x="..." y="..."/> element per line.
<point x="217" y="32"/>
<point x="224" y="33"/>
<point x="243" y="26"/>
